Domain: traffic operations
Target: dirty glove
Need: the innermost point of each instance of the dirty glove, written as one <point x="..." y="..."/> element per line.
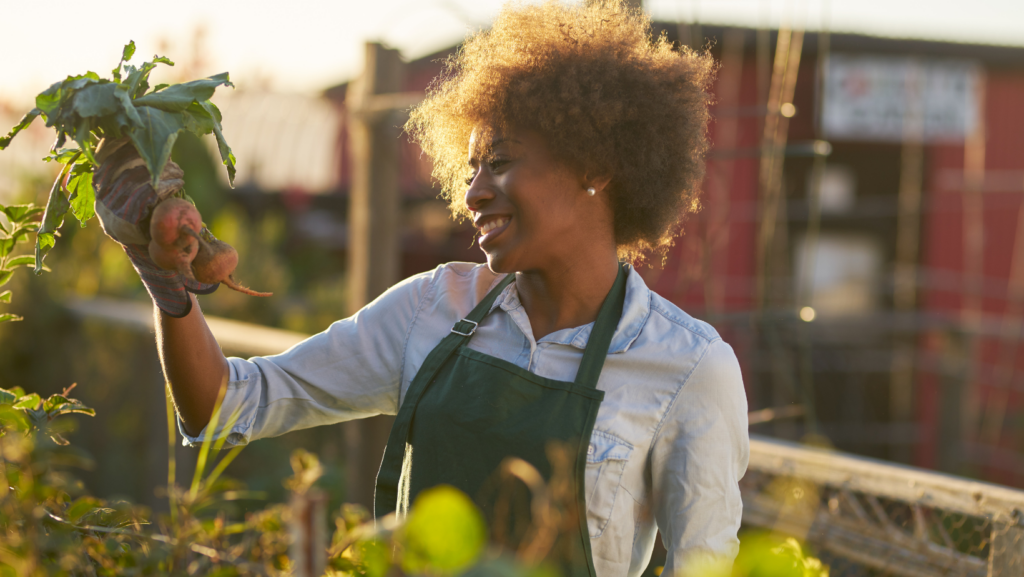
<point x="125" y="199"/>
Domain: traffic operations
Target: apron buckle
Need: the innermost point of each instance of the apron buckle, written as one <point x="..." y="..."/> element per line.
<point x="472" y="329"/>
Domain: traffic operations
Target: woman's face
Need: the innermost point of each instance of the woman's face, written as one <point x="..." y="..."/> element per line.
<point x="532" y="211"/>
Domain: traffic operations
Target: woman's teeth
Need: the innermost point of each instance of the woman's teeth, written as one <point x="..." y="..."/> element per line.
<point x="493" y="224"/>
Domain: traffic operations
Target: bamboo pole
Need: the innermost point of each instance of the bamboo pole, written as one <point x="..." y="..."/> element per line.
<point x="726" y="135"/>
<point x="805" y="285"/>
<point x="1010" y="339"/>
<point x="776" y="128"/>
<point x="788" y="50"/>
<point x="973" y="239"/>
<point x="908" y="223"/>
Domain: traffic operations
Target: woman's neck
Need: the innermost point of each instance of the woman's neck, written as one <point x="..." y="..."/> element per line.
<point x="566" y="296"/>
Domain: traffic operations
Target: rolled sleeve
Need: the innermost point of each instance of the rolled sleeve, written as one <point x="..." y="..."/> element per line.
<point x="698" y="459"/>
<point x="238" y="410"/>
<point x="351" y="370"/>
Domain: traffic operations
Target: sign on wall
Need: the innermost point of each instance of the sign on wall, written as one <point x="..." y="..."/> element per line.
<point x="882" y="98"/>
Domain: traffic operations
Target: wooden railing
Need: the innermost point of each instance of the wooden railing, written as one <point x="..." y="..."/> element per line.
<point x="884" y="516"/>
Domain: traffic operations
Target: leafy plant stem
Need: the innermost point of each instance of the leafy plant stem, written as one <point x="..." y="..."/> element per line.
<point x="172" y="462"/>
<point x="204" y="449"/>
<point x="223" y="464"/>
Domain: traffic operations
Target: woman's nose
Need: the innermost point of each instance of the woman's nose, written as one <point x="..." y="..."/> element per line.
<point x="480" y="191"/>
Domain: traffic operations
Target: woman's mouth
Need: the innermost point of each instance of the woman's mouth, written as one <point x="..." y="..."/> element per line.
<point x="493" y="228"/>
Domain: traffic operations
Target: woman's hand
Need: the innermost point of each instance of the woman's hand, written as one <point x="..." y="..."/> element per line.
<point x="125" y="198"/>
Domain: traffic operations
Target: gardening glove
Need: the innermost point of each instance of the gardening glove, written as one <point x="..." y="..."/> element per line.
<point x="125" y="199"/>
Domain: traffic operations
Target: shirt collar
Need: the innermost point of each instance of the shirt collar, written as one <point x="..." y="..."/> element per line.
<point x="635" y="310"/>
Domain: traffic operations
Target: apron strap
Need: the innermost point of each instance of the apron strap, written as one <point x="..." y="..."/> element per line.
<point x="467" y="326"/>
<point x="604" y="328"/>
<point x="387" y="492"/>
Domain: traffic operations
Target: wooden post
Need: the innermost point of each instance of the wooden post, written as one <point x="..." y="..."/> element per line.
<point x="307" y="526"/>
<point x="373" y="250"/>
<point x="373" y="235"/>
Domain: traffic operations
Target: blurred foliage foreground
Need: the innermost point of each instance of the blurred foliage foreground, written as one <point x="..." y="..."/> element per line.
<point x="50" y="524"/>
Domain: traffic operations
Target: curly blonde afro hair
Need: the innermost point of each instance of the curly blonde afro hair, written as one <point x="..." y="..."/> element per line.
<point x="609" y="99"/>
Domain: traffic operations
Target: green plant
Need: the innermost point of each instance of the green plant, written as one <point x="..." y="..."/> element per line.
<point x="764" y="554"/>
<point x="20" y="222"/>
<point x="88" y="109"/>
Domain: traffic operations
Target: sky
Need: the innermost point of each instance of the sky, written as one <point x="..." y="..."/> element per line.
<point x="306" y="45"/>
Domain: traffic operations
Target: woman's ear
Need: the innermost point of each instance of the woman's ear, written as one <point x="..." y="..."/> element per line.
<point x="598" y="183"/>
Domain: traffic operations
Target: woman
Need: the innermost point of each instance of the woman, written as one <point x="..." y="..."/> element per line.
<point x="571" y="139"/>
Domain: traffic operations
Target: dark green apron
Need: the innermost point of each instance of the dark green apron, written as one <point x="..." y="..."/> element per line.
<point x="465" y="412"/>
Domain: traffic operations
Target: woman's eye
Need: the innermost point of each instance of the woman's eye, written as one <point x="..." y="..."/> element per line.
<point x="496" y="163"/>
<point x="469" y="179"/>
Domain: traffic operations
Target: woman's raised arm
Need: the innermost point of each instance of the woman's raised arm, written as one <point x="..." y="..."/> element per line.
<point x="193" y="364"/>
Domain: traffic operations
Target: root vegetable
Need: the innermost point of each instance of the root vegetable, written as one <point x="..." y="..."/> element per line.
<point x="170" y="217"/>
<point x="174" y="257"/>
<point x="215" y="262"/>
<point x="172" y="247"/>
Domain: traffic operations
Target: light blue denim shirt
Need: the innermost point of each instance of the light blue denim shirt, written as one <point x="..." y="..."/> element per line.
<point x="670" y="442"/>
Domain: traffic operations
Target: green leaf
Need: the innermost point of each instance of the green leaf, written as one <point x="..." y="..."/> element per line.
<point x="96" y="100"/>
<point x="85" y="139"/>
<point x="60" y="405"/>
<point x="130" y="113"/>
<point x="129" y="51"/>
<point x="138" y="78"/>
<point x="56" y="207"/>
<point x="83" y="195"/>
<point x="6" y="246"/>
<point x="178" y="97"/>
<point x="8" y="397"/>
<point x="126" y="55"/>
<point x="160" y="87"/>
<point x="20" y="212"/>
<point x="46" y="239"/>
<point x="63" y="156"/>
<point x="5" y="297"/>
<point x="444" y="534"/>
<point x="13" y="419"/>
<point x="227" y="157"/>
<point x="198" y="120"/>
<point x="54" y="401"/>
<point x="26" y="260"/>
<point x="5" y="276"/>
<point x="48" y="102"/>
<point x="8" y="318"/>
<point x="22" y="125"/>
<point x="374" y="557"/>
<point x="30" y="401"/>
<point x="156" y="139"/>
<point x="81" y="506"/>
<point x="52" y="100"/>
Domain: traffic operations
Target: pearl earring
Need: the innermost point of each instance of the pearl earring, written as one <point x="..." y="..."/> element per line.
<point x="591" y="191"/>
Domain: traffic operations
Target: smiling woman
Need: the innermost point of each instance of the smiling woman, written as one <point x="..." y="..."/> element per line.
<point x="607" y="98"/>
<point x="572" y="139"/>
